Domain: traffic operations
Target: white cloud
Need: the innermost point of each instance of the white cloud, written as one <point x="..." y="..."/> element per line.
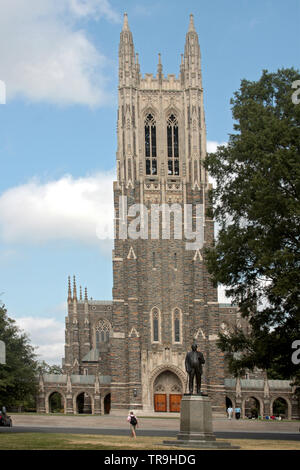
<point x="75" y="209"/>
<point x="47" y="335"/>
<point x="94" y="8"/>
<point x="212" y="145"/>
<point x="45" y="56"/>
<point x="221" y="295"/>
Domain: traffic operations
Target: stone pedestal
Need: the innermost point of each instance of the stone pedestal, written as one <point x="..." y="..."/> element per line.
<point x="196" y="425"/>
<point x="196" y="419"/>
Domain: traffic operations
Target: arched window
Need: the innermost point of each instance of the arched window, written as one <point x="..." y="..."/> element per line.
<point x="177" y="326"/>
<point x="173" y="145"/>
<point x="155" y="325"/>
<point x="150" y="145"/>
<point x="102" y="332"/>
<point x="153" y="260"/>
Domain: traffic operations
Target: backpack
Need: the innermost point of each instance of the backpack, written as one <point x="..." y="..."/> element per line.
<point x="133" y="420"/>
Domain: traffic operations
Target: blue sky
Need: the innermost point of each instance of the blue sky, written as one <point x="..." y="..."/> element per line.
<point x="59" y="60"/>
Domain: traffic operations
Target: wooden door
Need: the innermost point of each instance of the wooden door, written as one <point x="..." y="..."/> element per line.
<point x="175" y="402"/>
<point x="160" y="402"/>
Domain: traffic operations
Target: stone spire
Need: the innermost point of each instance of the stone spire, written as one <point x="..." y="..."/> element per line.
<point x="192" y="67"/>
<point x="191" y="82"/>
<point x="191" y="25"/>
<point x="127" y="66"/>
<point x="125" y="23"/>
<point x="159" y="69"/>
<point x="69" y="290"/>
<point x="86" y="302"/>
<point x="74" y="289"/>
<point x="182" y="70"/>
<point x="74" y="296"/>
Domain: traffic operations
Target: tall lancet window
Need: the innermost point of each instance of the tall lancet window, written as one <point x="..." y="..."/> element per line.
<point x="177" y="325"/>
<point x="150" y="145"/>
<point x="155" y="326"/>
<point x="173" y="145"/>
<point x="155" y="320"/>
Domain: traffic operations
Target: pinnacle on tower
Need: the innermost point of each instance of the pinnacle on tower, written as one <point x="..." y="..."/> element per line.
<point x="85" y="294"/>
<point x="74" y="289"/>
<point x="191" y="25"/>
<point x="192" y="65"/>
<point x="125" y="23"/>
<point x="137" y="65"/>
<point x="127" y="65"/>
<point x="159" y="68"/>
<point x="69" y="289"/>
<point x="80" y="295"/>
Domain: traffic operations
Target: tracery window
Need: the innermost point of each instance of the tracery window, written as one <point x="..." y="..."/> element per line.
<point x="155" y="325"/>
<point x="102" y="332"/>
<point x="150" y="145"/>
<point x="177" y="326"/>
<point x="173" y="145"/>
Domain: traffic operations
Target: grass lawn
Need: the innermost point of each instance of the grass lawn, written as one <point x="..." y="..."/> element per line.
<point x="43" y="441"/>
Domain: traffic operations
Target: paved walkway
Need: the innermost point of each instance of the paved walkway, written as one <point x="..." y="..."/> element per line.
<point x="151" y="423"/>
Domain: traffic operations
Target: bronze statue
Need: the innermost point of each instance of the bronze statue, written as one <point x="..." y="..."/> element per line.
<point x="193" y="365"/>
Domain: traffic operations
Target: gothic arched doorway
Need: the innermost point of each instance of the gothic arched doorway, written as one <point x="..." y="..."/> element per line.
<point x="252" y="408"/>
<point x="107" y="404"/>
<point x="228" y="403"/>
<point x="56" y="403"/>
<point x="83" y="403"/>
<point x="167" y="391"/>
<point x="280" y="408"/>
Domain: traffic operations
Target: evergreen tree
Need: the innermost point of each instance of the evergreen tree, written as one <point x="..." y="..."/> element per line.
<point x="256" y="204"/>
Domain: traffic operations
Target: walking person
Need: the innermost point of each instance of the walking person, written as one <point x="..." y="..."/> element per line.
<point x="229" y="412"/>
<point x="132" y="419"/>
<point x="237" y="412"/>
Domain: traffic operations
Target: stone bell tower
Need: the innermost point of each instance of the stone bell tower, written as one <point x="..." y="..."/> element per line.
<point x="162" y="294"/>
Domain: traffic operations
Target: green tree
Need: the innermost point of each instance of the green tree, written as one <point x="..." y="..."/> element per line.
<point x="44" y="368"/>
<point x="18" y="383"/>
<point x="256" y="204"/>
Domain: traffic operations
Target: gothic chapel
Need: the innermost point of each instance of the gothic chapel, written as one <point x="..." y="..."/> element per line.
<point x="129" y="353"/>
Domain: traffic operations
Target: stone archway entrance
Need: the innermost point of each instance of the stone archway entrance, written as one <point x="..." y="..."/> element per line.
<point x="83" y="403"/>
<point x="107" y="404"/>
<point x="56" y="403"/>
<point x="252" y="407"/>
<point x="167" y="392"/>
<point x="228" y="403"/>
<point x="280" y="408"/>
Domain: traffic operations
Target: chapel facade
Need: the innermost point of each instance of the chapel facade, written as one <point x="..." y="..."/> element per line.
<point x="129" y="353"/>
